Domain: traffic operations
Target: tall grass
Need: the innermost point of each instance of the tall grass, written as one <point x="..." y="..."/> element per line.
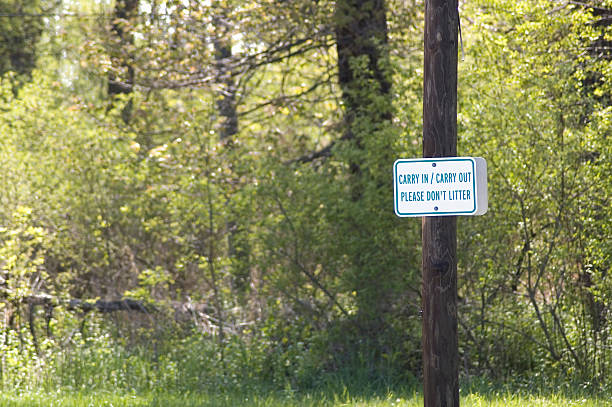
<point x="279" y="398"/>
<point x="99" y="369"/>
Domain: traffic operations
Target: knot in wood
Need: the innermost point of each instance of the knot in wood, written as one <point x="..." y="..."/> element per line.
<point x="440" y="267"/>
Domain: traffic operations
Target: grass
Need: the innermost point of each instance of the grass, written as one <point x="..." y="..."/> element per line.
<point x="100" y="373"/>
<point x="330" y="397"/>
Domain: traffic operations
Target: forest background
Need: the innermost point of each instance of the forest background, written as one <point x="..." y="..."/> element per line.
<point x="198" y="194"/>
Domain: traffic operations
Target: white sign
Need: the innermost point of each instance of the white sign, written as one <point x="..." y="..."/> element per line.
<point x="440" y="186"/>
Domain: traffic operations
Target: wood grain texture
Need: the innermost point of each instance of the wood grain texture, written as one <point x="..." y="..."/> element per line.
<point x="439" y="295"/>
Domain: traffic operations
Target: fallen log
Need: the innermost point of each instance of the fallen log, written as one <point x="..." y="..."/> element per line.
<point x="126" y="304"/>
<point x="109" y="306"/>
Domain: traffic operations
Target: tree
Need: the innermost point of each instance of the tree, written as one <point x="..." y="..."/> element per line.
<point x="123" y="39"/>
<point x="22" y="27"/>
<point x="364" y="76"/>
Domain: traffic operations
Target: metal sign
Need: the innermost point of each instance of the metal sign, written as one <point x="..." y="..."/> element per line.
<point x="440" y="186"/>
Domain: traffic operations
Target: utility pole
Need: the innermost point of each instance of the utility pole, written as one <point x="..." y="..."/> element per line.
<point x="439" y="234"/>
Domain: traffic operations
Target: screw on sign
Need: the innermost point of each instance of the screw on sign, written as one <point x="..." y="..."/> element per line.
<point x="440" y="187"/>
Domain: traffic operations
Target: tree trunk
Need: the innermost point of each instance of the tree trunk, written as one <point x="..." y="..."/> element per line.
<point x="364" y="76"/>
<point x="125" y="10"/>
<point x="226" y="95"/>
<point x="363" y="72"/>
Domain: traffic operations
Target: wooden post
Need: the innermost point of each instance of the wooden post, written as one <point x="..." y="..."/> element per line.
<point x="439" y="234"/>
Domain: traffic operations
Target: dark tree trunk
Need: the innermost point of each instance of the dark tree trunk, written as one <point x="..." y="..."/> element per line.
<point x="19" y="35"/>
<point x="361" y="31"/>
<point x="361" y="34"/>
<point x="123" y="84"/>
<point x="226" y="96"/>
<point x="228" y="128"/>
<point x="364" y="76"/>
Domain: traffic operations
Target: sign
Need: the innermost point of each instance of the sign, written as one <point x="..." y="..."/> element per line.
<point x="440" y="186"/>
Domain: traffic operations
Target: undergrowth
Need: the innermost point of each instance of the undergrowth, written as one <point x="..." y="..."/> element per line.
<point x="96" y="368"/>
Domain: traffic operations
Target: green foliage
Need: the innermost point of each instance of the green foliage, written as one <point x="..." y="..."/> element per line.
<point x="271" y="256"/>
<point x="527" y="268"/>
<point x="22" y="257"/>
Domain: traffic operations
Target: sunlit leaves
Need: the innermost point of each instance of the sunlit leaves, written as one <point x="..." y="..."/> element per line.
<point x="526" y="107"/>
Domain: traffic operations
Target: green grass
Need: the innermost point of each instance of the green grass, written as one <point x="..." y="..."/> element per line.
<point x="286" y="398"/>
<point x="187" y="373"/>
